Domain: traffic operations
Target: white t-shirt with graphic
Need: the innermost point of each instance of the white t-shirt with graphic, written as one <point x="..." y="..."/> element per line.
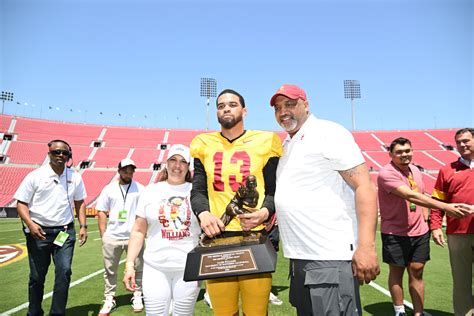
<point x="173" y="229"/>
<point x="121" y="202"/>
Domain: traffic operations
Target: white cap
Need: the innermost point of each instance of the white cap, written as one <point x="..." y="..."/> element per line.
<point x="181" y="150"/>
<point x="126" y="162"/>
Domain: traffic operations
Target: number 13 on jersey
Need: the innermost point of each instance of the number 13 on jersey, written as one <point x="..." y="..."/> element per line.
<point x="238" y="158"/>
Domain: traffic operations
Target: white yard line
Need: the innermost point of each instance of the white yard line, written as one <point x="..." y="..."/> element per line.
<point x="48" y="295"/>
<point x="386" y="292"/>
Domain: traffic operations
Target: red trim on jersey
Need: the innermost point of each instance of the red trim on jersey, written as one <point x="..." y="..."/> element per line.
<point x="455" y="184"/>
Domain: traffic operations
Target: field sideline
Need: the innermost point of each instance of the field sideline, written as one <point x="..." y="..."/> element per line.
<point x="86" y="293"/>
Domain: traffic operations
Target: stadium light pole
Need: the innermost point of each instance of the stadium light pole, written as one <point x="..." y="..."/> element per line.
<point x="352" y="91"/>
<point x="6" y="96"/>
<point x="208" y="90"/>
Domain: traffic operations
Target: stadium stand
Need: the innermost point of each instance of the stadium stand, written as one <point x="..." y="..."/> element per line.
<point x="446" y="136"/>
<point x="80" y="153"/>
<point x="43" y="131"/>
<point x="420" y="140"/>
<point x="429" y="180"/>
<point x="446" y="156"/>
<point x="380" y="157"/>
<point x="5" y="121"/>
<point x="134" y="137"/>
<point x="11" y="178"/>
<point x="143" y="177"/>
<point x="368" y="141"/>
<point x="144" y="158"/>
<point x="109" y="157"/>
<point x="27" y="153"/>
<point x="104" y="146"/>
<point x="426" y="161"/>
<point x="95" y="181"/>
<point x="181" y="136"/>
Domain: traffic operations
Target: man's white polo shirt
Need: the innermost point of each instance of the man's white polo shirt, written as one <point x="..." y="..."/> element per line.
<point x="51" y="197"/>
<point x="112" y="199"/>
<point x="315" y="206"/>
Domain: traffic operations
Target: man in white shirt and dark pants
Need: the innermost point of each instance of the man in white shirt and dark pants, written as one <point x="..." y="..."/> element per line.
<point x="46" y="201"/>
<point x="326" y="208"/>
<point x="119" y="201"/>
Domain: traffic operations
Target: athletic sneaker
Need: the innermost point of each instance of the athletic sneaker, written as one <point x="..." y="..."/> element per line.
<point x="108" y="307"/>
<point x="137" y="301"/>
<point x="274" y="299"/>
<point x="207" y="300"/>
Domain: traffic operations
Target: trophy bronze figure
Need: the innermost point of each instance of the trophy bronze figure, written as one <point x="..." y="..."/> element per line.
<point x="246" y="253"/>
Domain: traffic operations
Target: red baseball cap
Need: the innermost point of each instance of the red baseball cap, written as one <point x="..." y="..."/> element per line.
<point x="290" y="91"/>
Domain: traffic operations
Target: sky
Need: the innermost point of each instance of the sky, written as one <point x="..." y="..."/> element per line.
<point x="140" y="62"/>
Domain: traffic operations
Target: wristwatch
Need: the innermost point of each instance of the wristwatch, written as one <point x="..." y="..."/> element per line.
<point x="83" y="226"/>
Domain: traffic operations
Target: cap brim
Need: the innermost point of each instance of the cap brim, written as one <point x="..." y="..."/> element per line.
<point x="288" y="95"/>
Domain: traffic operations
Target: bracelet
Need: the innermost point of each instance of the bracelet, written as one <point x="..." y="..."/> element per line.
<point x="83" y="226"/>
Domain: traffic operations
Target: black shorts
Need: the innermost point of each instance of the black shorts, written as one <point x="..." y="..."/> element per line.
<point x="401" y="250"/>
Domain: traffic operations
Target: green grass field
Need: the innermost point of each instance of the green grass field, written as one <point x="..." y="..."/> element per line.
<point x="85" y="298"/>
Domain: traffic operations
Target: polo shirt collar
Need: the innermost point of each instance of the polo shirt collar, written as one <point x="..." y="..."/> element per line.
<point x="52" y="174"/>
<point x="469" y="163"/>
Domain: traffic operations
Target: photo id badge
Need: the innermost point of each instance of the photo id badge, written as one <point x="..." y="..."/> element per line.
<point x="122" y="216"/>
<point x="61" y="238"/>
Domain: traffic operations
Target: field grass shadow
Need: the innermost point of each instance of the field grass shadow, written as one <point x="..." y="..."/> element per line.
<point x="386" y="308"/>
<point x="88" y="309"/>
<point x="93" y="309"/>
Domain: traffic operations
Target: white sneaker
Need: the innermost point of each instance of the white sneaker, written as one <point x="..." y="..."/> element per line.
<point x="274" y="299"/>
<point x="137" y="301"/>
<point x="207" y="300"/>
<point x="108" y="307"/>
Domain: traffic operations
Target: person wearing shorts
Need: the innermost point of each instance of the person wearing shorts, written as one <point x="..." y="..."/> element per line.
<point x="404" y="224"/>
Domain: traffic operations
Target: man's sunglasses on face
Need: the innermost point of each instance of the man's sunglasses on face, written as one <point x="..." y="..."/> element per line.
<point x="58" y="152"/>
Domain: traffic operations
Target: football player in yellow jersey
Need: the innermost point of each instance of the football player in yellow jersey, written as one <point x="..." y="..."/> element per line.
<point x="222" y="161"/>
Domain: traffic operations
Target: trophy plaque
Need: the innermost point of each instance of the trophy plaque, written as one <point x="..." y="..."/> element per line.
<point x="242" y="253"/>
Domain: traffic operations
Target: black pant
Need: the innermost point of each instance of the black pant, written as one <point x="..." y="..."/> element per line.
<point x="40" y="253"/>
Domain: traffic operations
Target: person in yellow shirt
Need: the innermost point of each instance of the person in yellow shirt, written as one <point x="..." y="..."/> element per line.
<point x="222" y="162"/>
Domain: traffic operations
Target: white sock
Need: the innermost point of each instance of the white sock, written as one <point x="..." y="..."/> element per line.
<point x="399" y="309"/>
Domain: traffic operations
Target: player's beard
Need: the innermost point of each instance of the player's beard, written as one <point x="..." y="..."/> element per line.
<point x="229" y="123"/>
<point x="290" y="125"/>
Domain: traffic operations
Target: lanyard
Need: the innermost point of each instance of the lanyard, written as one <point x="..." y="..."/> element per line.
<point x="411" y="182"/>
<point x="126" y="193"/>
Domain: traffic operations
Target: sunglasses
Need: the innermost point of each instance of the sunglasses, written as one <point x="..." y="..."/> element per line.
<point x="58" y="152"/>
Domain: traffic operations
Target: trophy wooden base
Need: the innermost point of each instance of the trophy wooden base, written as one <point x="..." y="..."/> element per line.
<point x="230" y="256"/>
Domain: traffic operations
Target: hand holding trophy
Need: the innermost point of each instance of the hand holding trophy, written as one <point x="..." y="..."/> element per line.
<point x="247" y="253"/>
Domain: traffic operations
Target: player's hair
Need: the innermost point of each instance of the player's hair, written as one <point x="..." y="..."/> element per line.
<point x="399" y="141"/>
<point x="464" y="130"/>
<point x="241" y="98"/>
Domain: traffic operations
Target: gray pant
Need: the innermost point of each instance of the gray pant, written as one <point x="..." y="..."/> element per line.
<point x="112" y="250"/>
<point x="461" y="255"/>
<point x="324" y="288"/>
